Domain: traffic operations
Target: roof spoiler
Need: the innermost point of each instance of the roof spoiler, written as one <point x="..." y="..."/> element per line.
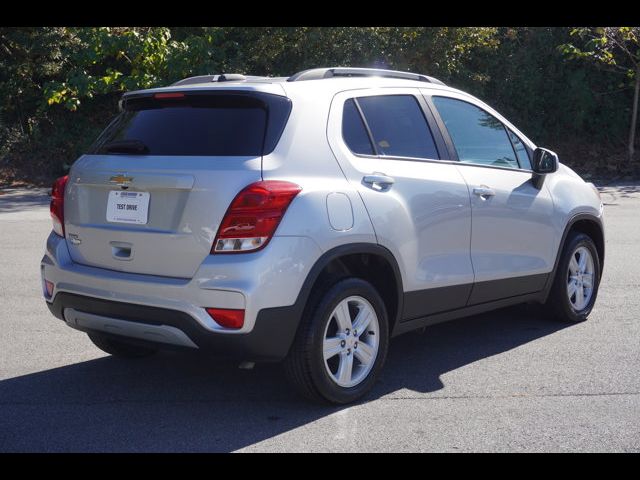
<point x="224" y="77"/>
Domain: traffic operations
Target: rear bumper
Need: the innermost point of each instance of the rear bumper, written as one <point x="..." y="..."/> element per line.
<point x="269" y="340"/>
<point x="264" y="284"/>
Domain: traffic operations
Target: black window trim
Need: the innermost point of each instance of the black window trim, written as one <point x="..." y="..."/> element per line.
<point x="449" y="141"/>
<point x="449" y="148"/>
<point x="527" y="149"/>
<point x="363" y="119"/>
<point x="513" y="147"/>
<point x="428" y="117"/>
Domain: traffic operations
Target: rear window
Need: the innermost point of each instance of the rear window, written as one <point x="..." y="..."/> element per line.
<point x="199" y="124"/>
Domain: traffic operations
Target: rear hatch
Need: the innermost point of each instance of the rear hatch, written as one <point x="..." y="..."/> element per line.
<point x="151" y="192"/>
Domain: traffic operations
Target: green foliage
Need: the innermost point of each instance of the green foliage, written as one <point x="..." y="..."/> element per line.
<point x="60" y="85"/>
<point x="106" y="60"/>
<point x="616" y="49"/>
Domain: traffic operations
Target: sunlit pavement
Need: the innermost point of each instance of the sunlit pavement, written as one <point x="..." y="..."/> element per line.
<point x="511" y="380"/>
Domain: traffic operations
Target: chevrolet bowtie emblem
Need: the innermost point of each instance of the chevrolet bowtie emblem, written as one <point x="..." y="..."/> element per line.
<point x="121" y="180"/>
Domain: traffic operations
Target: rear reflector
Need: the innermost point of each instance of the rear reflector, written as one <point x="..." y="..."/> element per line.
<point x="253" y="216"/>
<point x="227" y="318"/>
<point x="56" y="207"/>
<point x="48" y="288"/>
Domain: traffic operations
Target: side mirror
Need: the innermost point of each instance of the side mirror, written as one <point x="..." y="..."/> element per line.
<point x="544" y="161"/>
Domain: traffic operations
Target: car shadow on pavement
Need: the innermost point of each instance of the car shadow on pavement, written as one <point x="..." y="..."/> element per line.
<point x="191" y="402"/>
<point x="20" y="199"/>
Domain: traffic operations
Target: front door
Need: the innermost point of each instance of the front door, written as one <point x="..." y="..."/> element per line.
<point x="512" y="238"/>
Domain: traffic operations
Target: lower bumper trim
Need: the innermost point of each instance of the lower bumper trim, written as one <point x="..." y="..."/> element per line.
<point x="153" y="333"/>
<point x="270" y="339"/>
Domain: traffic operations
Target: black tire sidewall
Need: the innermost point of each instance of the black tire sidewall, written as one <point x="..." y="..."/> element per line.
<point x="338" y="292"/>
<point x="561" y="303"/>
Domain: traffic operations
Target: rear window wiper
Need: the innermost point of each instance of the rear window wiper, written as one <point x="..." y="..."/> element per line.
<point x="125" y="146"/>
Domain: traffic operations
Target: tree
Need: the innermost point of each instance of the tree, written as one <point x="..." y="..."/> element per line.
<point x="616" y="49"/>
<point x="109" y="59"/>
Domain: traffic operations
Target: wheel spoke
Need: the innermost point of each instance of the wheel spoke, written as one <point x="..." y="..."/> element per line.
<point x="332" y="346"/>
<point x="573" y="265"/>
<point x="352" y="330"/>
<point x="342" y="316"/>
<point x="579" y="297"/>
<point x="587" y="280"/>
<point x="362" y="320"/>
<point x="580" y="278"/>
<point x="365" y="353"/>
<point x="582" y="261"/>
<point x="345" y="368"/>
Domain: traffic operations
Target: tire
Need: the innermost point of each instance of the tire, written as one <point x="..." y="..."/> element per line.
<point x="120" y="349"/>
<point x="561" y="304"/>
<point x="318" y="379"/>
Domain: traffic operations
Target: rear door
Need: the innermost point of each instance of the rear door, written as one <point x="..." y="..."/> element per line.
<point x="512" y="237"/>
<point x="419" y="206"/>
<point x="149" y="196"/>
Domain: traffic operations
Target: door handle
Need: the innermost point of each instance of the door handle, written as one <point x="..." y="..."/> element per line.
<point x="379" y="181"/>
<point x="484" y="191"/>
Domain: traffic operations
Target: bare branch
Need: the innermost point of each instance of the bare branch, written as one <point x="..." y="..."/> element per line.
<point x="620" y="44"/>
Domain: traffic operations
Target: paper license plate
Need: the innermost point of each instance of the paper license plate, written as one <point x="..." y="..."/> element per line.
<point x="128" y="207"/>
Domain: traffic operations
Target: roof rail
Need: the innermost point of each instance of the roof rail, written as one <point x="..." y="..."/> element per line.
<point x="320" y="73"/>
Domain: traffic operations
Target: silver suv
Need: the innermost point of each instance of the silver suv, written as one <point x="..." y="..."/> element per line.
<point x="311" y="218"/>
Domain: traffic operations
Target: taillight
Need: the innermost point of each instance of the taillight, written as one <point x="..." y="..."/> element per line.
<point x="226" y="317"/>
<point x="253" y="216"/>
<point x="57" y="204"/>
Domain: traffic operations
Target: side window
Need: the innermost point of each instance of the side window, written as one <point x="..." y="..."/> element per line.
<point x="521" y="151"/>
<point x="353" y="130"/>
<point x="478" y="136"/>
<point x="398" y="126"/>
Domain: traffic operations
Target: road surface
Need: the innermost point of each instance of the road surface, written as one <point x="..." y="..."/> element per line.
<point x="510" y="380"/>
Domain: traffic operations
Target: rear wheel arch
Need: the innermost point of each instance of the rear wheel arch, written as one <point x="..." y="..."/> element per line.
<point x="368" y="261"/>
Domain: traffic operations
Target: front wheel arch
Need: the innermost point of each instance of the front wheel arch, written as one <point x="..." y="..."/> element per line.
<point x="562" y="302"/>
<point x="583" y="223"/>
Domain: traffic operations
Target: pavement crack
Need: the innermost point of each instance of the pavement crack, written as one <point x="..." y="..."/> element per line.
<point x="515" y="395"/>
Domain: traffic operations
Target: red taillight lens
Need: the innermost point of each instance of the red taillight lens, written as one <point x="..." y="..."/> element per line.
<point x="57" y="204"/>
<point x="253" y="216"/>
<point x="226" y="317"/>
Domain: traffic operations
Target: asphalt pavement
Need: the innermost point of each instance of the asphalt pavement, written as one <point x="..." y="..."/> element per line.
<point x="511" y="380"/>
